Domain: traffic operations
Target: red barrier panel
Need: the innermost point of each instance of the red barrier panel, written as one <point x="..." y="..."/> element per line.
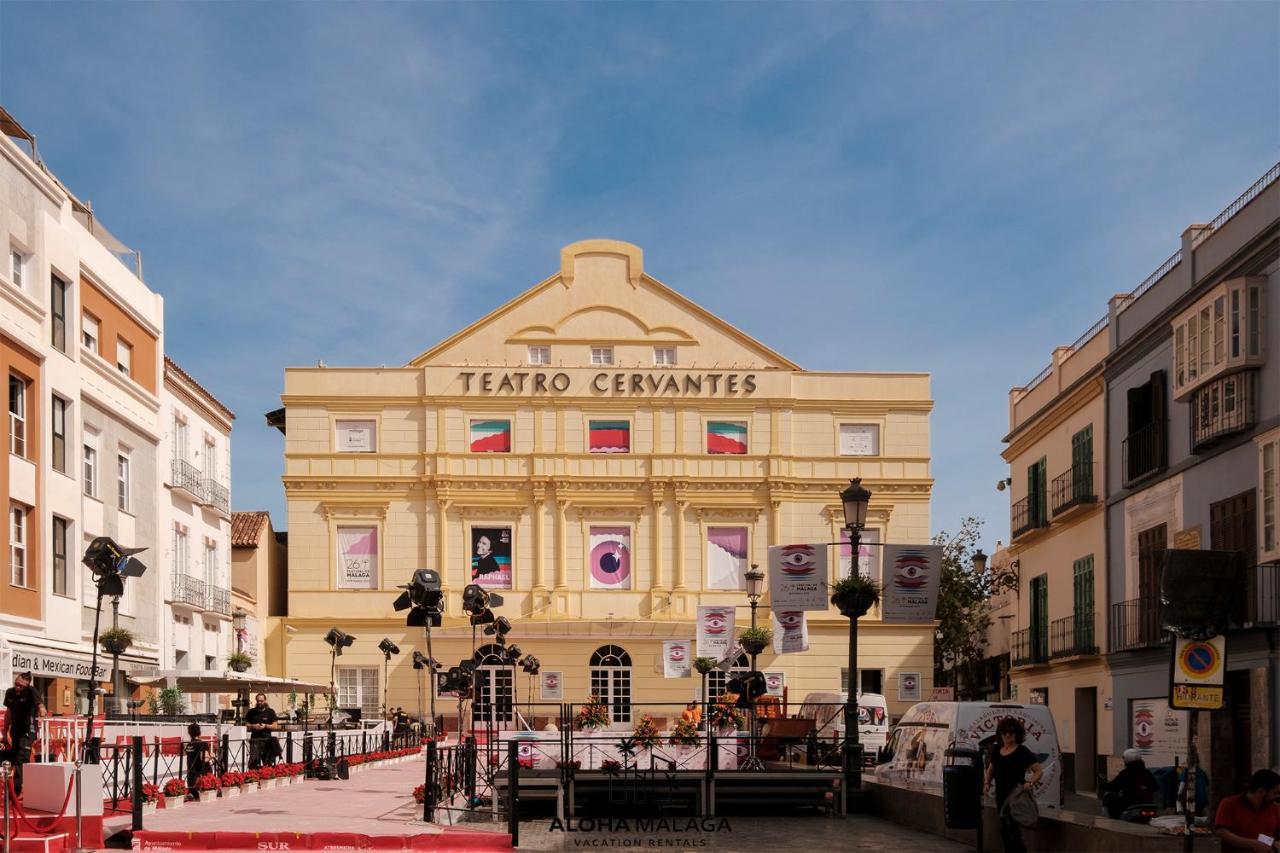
<point x="337" y="841"/>
<point x="149" y="839"/>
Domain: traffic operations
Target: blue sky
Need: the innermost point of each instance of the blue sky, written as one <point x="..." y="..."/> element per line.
<point x="949" y="188"/>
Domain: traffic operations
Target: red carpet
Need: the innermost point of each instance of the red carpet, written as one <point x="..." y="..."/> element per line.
<point x="442" y="841"/>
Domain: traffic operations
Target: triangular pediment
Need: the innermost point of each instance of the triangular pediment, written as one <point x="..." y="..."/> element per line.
<point x="602" y="297"/>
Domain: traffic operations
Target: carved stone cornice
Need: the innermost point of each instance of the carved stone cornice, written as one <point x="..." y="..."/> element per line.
<point x="512" y="513"/>
<point x="729" y="513"/>
<point x="350" y="510"/>
<point x="835" y="513"/>
<point x="609" y="511"/>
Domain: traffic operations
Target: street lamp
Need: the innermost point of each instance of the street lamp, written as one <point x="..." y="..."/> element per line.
<point x="755" y="589"/>
<point x="855" y="499"/>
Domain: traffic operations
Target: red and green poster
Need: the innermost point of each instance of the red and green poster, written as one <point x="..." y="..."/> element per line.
<point x="726" y="437"/>
<point x="491" y="436"/>
<point x="609" y="436"/>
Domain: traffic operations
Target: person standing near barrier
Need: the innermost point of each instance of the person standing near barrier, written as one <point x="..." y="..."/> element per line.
<point x="197" y="757"/>
<point x="1007" y="766"/>
<point x="261" y="721"/>
<point x="22" y="709"/>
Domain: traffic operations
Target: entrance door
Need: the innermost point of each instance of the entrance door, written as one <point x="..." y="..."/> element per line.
<point x="1086" y="738"/>
<point x="611" y="681"/>
<point x="1151" y="547"/>
<point x="494" y="688"/>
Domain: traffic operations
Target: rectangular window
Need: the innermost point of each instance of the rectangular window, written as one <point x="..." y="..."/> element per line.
<point x="859" y="440"/>
<point x="17" y="268"/>
<point x="1193" y="347"/>
<point x="58" y="304"/>
<point x="1180" y="355"/>
<point x="1037" y="494"/>
<point x="602" y="355"/>
<point x="869" y="680"/>
<point x="89" y="332"/>
<point x="539" y="355"/>
<point x="491" y="436"/>
<point x="354" y="436"/>
<point x="664" y="356"/>
<point x="179" y="550"/>
<point x="1040" y="618"/>
<point x="210" y="462"/>
<point x="18" y="545"/>
<point x="1082" y="606"/>
<point x="61" y="544"/>
<point x="1206" y="340"/>
<point x="90" y="471"/>
<point x="17" y="415"/>
<point x="211" y="564"/>
<point x="727" y="437"/>
<point x="124" y="357"/>
<point x="608" y="436"/>
<point x="358" y="690"/>
<point x="179" y="440"/>
<point x="727" y="557"/>
<point x="1082" y="464"/>
<point x="1255" y="320"/>
<point x="122" y="483"/>
<point x="1235" y="323"/>
<point x="1219" y="330"/>
<point x="1269" y="460"/>
<point x="59" y="412"/>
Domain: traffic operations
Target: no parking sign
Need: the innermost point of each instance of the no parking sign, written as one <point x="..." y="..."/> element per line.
<point x="1196" y="673"/>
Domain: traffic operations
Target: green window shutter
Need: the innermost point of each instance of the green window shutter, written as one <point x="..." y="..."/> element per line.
<point x="1082" y="463"/>
<point x="1040" y="617"/>
<point x="1037" y="486"/>
<point x="1082" y="602"/>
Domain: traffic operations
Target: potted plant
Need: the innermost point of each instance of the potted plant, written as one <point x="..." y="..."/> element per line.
<point x="755" y="640"/>
<point x="684" y="734"/>
<point x="150" y="797"/>
<point x="116" y="641"/>
<point x="704" y="665"/>
<point x="175" y="793"/>
<point x="231" y="784"/>
<point x="207" y="786"/>
<point x="855" y="595"/>
<point x="724" y="717"/>
<point x="646" y="734"/>
<point x="239" y="661"/>
<point x="593" y="715"/>
<point x="611" y="766"/>
<point x="249" y="780"/>
<point x="420" y="794"/>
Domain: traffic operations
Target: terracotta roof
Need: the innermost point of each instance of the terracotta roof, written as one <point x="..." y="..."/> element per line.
<point x="170" y="364"/>
<point x="246" y="527"/>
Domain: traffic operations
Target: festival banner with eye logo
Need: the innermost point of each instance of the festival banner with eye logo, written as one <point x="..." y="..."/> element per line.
<point x="790" y="631"/>
<point x="552" y="686"/>
<point x="910" y="580"/>
<point x="676" y="658"/>
<point x="715" y="630"/>
<point x="609" y="557"/>
<point x="774" y="682"/>
<point x="798" y="577"/>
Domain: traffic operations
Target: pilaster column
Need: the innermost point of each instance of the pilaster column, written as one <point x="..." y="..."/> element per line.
<point x="562" y="557"/>
<point x="681" y="505"/>
<point x="657" y="499"/>
<point x="539" y="556"/>
<point x="442" y="540"/>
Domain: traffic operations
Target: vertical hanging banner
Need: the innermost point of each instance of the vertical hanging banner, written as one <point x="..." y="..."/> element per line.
<point x="798" y="577"/>
<point x="357" y="557"/>
<point x="491" y="557"/>
<point x="715" y="631"/>
<point x="675" y="659"/>
<point x="609" y="561"/>
<point x="727" y="557"/>
<point x="910" y="581"/>
<point x="790" y="631"/>
<point x="552" y="686"/>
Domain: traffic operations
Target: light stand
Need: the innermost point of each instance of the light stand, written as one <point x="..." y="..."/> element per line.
<point x="337" y="640"/>
<point x="388" y="649"/>
<point x="855" y="499"/>
<point x="532" y="666"/>
<point x="423" y="597"/>
<point x="115" y="654"/>
<point x="755" y="589"/>
<point x="420" y="662"/>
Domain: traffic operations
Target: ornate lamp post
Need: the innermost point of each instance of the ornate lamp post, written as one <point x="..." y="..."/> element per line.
<point x="755" y="589"/>
<point x="855" y="499"/>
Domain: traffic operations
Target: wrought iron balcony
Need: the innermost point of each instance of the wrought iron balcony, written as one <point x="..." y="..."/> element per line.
<point x="1223" y="407"/>
<point x="219" y="600"/>
<point x="1028" y="647"/>
<point x="1144" y="452"/>
<point x="1072" y="636"/>
<point x="1028" y="514"/>
<point x="188" y="590"/>
<point x="187" y="477"/>
<point x="217" y="496"/>
<point x="1135" y="624"/>
<point x="1074" y="488"/>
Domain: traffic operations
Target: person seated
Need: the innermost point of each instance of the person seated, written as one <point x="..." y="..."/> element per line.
<point x="1135" y="785"/>
<point x="692" y="713"/>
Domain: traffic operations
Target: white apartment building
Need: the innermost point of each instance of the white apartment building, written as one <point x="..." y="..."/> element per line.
<point x="196" y="523"/>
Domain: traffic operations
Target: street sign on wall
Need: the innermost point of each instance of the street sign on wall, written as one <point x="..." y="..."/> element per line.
<point x="1196" y="673"/>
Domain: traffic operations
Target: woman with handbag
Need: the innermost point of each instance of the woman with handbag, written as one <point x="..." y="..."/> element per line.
<point x="1007" y="766"/>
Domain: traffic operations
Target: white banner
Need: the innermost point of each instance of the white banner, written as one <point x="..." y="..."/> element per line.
<point x="357" y="557"/>
<point x="908" y="687"/>
<point x="790" y="631"/>
<point x="910" y="580"/>
<point x="58" y="666"/>
<point x="715" y="630"/>
<point x="774" y="682"/>
<point x="676" y="658"/>
<point x="552" y="686"/>
<point x="798" y="577"/>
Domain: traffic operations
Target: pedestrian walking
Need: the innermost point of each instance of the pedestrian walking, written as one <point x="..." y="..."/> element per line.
<point x="1008" y="765"/>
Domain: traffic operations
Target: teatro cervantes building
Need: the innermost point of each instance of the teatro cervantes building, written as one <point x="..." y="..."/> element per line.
<point x="607" y="456"/>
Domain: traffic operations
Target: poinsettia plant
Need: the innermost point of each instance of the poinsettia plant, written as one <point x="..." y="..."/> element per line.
<point x="593" y="715"/>
<point x="250" y="777"/>
<point x="646" y="732"/>
<point x="724" y="716"/>
<point x="175" y="788"/>
<point x="150" y="792"/>
<point x="420" y="794"/>
<point x="684" y="734"/>
<point x="232" y="779"/>
<point x="209" y="782"/>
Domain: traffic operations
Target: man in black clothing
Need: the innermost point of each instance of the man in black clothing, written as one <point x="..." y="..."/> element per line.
<point x="261" y="721"/>
<point x="22" y="708"/>
<point x="1133" y="786"/>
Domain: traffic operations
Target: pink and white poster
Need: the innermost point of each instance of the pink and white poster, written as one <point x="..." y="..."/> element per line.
<point x="676" y="658"/>
<point x="726" y="557"/>
<point x="552" y="685"/>
<point x="798" y="577"/>
<point x="775" y="682"/>
<point x="790" y="631"/>
<point x="715" y="630"/>
<point x="868" y="554"/>
<point x="357" y="558"/>
<point x="609" y="557"/>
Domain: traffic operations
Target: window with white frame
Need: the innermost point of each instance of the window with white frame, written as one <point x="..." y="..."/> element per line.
<point x="210" y="461"/>
<point x="58" y="312"/>
<point x="61" y="545"/>
<point x="17" y="545"/>
<point x="124" y="357"/>
<point x="17" y="415"/>
<point x="718" y="680"/>
<point x="610" y="673"/>
<point x="89" y="331"/>
<point x="17" y="268"/>
<point x="602" y="355"/>
<point x="90" y="470"/>
<point x="211" y="563"/>
<point x="179" y="558"/>
<point x="1223" y="331"/>
<point x="59" y="430"/>
<point x="664" y="356"/>
<point x="539" y="355"/>
<point x="358" y="688"/>
<point x="179" y="440"/>
<point x="123" y="477"/>
<point x="1269" y="495"/>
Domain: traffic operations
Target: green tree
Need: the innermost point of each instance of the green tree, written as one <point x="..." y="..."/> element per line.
<point x="963" y="613"/>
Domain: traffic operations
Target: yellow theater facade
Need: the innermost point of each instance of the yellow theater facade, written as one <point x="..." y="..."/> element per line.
<point x="607" y="456"/>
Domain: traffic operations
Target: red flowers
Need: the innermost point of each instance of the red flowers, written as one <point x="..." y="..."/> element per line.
<point x="420" y="794"/>
<point x="209" y="782"/>
<point x="250" y="777"/>
<point x="173" y="788"/>
<point x="232" y="779"/>
<point x="150" y="792"/>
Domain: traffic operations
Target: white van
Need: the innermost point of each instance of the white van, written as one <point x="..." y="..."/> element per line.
<point x="916" y="750"/>
<point x="873" y="718"/>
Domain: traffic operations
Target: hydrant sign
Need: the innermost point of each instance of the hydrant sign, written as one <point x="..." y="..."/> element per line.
<point x="1196" y="673"/>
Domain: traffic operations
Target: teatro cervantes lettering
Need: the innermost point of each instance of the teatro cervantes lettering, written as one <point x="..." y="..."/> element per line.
<point x="620" y="383"/>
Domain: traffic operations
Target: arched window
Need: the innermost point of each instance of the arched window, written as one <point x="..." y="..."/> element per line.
<point x="717" y="680"/>
<point x="611" y="681"/>
<point x="495" y="686"/>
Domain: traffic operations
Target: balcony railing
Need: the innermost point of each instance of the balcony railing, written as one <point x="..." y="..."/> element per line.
<point x="1144" y="452"/>
<point x="1028" y="647"/>
<point x="187" y="477"/>
<point x="1223" y="407"/>
<point x="217" y="496"/>
<point x="1135" y="624"/>
<point x="219" y="600"/>
<point x="189" y="590"/>
<point x="1072" y="636"/>
<point x="1073" y="488"/>
<point x="1026" y="515"/>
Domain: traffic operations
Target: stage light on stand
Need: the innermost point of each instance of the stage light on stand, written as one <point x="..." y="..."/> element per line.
<point x="423" y="597"/>
<point x="338" y="640"/>
<point x="388" y="649"/>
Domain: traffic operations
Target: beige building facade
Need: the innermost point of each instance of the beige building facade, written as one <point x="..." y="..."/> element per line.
<point x="607" y="456"/>
<point x="1058" y="551"/>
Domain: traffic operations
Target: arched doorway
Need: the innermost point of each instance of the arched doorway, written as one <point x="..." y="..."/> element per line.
<point x="611" y="681"/>
<point x="494" y="687"/>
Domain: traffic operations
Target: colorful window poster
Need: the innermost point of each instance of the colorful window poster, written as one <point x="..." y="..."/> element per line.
<point x="491" y="557"/>
<point x="775" y="682"/>
<point x="676" y="658"/>
<point x="726" y="557"/>
<point x="491" y="436"/>
<point x="868" y="554"/>
<point x="908" y="687"/>
<point x="357" y="558"/>
<point x="798" y="577"/>
<point x="609" y="436"/>
<point x="609" y="557"/>
<point x="727" y="437"/>
<point x="552" y="686"/>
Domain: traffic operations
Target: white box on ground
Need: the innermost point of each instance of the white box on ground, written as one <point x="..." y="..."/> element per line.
<point x="44" y="787"/>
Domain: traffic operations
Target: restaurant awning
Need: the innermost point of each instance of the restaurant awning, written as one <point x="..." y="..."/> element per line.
<point x="228" y="681"/>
